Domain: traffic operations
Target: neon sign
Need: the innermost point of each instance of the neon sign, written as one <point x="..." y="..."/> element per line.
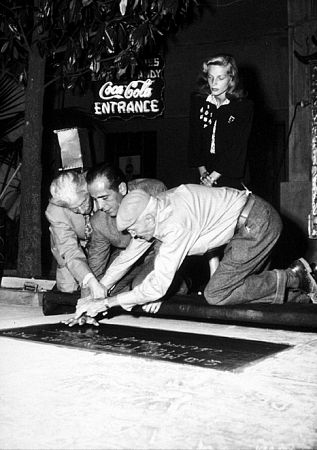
<point x="141" y="97"/>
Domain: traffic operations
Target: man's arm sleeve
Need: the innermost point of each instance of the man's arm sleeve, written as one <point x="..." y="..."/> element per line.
<point x="124" y="261"/>
<point x="99" y="248"/>
<point x="172" y="252"/>
<point x="67" y="249"/>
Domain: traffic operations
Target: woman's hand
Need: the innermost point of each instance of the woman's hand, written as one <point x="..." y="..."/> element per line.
<point x="209" y="179"/>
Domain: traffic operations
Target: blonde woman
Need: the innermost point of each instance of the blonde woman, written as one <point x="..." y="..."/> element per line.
<point x="220" y="124"/>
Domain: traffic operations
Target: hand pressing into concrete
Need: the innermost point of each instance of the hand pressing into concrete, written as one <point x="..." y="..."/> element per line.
<point x="152" y="307"/>
<point x="87" y="308"/>
<point x="82" y="320"/>
<point x="91" y="306"/>
<point x="97" y="290"/>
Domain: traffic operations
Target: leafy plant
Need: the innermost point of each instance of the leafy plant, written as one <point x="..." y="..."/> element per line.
<point x="85" y="39"/>
<point x="11" y="115"/>
<point x="70" y="43"/>
<point x="11" y="131"/>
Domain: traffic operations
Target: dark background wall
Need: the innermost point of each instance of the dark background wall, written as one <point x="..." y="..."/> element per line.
<point x="262" y="35"/>
<point x="255" y="32"/>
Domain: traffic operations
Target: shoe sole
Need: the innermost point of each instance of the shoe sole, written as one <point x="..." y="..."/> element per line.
<point x="306" y="265"/>
<point x="312" y="295"/>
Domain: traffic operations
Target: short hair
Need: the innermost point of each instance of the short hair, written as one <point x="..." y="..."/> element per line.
<point x="114" y="175"/>
<point x="66" y="186"/>
<point x="223" y="60"/>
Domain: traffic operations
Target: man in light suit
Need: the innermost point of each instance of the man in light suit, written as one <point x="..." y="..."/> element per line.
<point x="68" y="212"/>
<point x="84" y="243"/>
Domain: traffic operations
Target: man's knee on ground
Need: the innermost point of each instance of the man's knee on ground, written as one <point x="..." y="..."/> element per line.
<point x="214" y="297"/>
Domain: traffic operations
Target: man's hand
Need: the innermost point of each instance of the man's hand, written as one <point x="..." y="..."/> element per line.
<point x="82" y="320"/>
<point x="90" y="307"/>
<point x="87" y="308"/>
<point x="152" y="307"/>
<point x="97" y="290"/>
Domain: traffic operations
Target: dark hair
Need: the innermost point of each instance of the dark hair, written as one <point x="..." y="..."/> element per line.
<point x="113" y="174"/>
<point x="223" y="60"/>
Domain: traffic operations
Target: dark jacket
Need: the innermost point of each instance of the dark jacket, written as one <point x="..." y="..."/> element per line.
<point x="233" y="128"/>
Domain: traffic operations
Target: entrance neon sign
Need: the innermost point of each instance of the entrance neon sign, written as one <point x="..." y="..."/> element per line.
<point x="141" y="97"/>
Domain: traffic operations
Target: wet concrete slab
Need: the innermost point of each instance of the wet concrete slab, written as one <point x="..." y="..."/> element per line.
<point x="209" y="351"/>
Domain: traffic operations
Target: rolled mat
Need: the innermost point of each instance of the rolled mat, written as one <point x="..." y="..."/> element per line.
<point x="194" y="307"/>
<point x="56" y="302"/>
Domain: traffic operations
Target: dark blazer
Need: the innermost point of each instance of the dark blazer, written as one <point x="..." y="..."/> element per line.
<point x="233" y="128"/>
<point x="105" y="239"/>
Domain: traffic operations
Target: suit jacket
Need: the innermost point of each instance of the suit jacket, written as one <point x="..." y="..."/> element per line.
<point x="69" y="244"/>
<point x="106" y="237"/>
<point x="68" y="240"/>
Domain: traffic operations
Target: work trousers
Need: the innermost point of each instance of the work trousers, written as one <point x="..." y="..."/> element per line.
<point x="242" y="275"/>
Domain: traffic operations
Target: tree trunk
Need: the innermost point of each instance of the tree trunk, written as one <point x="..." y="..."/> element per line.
<point x="29" y="252"/>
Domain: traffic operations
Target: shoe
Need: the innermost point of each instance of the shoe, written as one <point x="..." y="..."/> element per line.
<point x="307" y="283"/>
<point x="183" y="289"/>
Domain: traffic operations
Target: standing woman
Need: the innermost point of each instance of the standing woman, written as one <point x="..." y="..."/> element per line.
<point x="220" y="124"/>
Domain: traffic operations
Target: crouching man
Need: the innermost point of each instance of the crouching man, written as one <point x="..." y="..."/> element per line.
<point x="84" y="242"/>
<point x="191" y="220"/>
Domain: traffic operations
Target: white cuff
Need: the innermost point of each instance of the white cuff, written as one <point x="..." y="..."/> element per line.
<point x="86" y="279"/>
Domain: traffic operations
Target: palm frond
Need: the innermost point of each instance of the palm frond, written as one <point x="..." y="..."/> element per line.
<point x="12" y="104"/>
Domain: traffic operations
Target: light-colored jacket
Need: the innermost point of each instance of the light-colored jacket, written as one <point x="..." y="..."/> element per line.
<point x="67" y="233"/>
<point x="68" y="240"/>
<point x="190" y="220"/>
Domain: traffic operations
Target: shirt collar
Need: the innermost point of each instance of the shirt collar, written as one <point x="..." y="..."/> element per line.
<point x="211" y="99"/>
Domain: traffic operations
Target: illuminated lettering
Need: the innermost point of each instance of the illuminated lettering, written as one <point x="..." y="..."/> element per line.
<point x="110" y="90"/>
<point x="155" y="106"/>
<point x="135" y="89"/>
<point x="138" y="89"/>
<point x="122" y="107"/>
<point x="130" y="108"/>
<point x="106" y="108"/>
<point x="97" y="108"/>
<point x="138" y="107"/>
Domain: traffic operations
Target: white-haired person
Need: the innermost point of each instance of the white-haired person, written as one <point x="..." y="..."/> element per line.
<point x="69" y="212"/>
<point x="85" y="242"/>
<point x="191" y="220"/>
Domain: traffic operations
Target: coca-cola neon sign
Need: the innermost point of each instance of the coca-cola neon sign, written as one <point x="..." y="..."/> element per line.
<point x="135" y="89"/>
<point x="141" y="97"/>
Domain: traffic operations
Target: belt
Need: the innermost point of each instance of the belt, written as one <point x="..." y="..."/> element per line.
<point x="245" y="211"/>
